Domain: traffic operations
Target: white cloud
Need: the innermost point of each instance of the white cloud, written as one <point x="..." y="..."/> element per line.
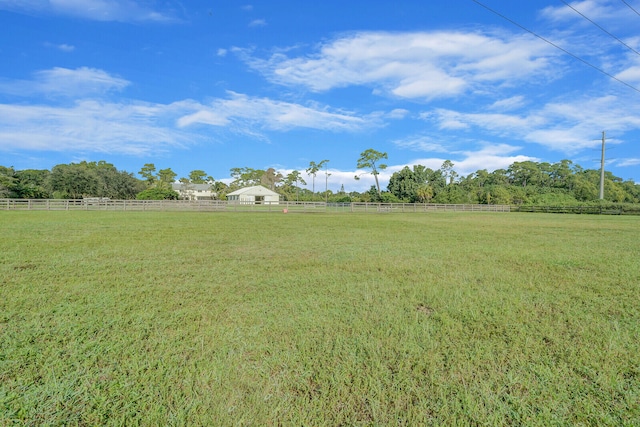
<point x="490" y="157"/>
<point x="630" y="75"/>
<point x="222" y="52"/>
<point x="422" y="65"/>
<point x="65" y="82"/>
<point x="264" y="113"/>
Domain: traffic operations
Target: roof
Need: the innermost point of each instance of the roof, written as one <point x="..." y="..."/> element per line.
<point x="188" y="186"/>
<point x="257" y="190"/>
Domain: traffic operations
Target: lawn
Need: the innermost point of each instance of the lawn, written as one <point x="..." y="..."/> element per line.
<point x="177" y="318"/>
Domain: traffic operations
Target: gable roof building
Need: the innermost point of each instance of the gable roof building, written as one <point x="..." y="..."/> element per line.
<point x="254" y="195"/>
<point x="188" y="191"/>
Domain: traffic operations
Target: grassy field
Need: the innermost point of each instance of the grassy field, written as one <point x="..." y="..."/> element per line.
<point x="113" y="318"/>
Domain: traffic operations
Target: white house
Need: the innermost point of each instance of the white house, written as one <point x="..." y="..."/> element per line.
<point x="190" y="191"/>
<point x="254" y="195"/>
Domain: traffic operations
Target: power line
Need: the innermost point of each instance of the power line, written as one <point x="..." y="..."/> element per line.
<point x="557" y="47"/>
<point x="603" y="30"/>
<point x="630" y="7"/>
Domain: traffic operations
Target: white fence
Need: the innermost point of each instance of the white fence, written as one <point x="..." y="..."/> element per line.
<point x="229" y="206"/>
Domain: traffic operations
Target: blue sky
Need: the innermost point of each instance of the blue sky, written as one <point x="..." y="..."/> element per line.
<point x="219" y="84"/>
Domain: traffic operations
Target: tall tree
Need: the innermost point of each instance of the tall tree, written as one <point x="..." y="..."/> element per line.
<point x="369" y="160"/>
<point x="220" y="190"/>
<point x="313" y="171"/>
<point x="294" y="177"/>
<point x="447" y="171"/>
<point x="199" y="177"/>
<point x="148" y="172"/>
<point x="166" y="177"/>
<point x="113" y="183"/>
<point x="404" y="184"/>
<point x="7" y="182"/>
<point x="561" y="174"/>
<point x="270" y="178"/>
<point x="126" y="186"/>
<point x="243" y="177"/>
<point x="498" y="177"/>
<point x="74" y="181"/>
<point x="525" y="173"/>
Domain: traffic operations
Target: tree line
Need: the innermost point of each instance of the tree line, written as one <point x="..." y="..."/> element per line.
<point x="561" y="183"/>
<point x="540" y="183"/>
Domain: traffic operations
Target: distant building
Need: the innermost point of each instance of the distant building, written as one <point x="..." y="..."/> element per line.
<point x="188" y="191"/>
<point x="254" y="195"/>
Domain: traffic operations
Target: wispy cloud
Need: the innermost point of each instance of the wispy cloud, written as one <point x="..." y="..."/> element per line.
<point x="418" y="65"/>
<point x="258" y="23"/>
<point x="506" y="104"/>
<point x="59" y="81"/>
<point x="599" y="10"/>
<point x="92" y="126"/>
<point x="422" y="143"/>
<point x="628" y="162"/>
<point x="62" y="47"/>
<point x="96" y="10"/>
<point x="138" y="128"/>
<point x="264" y="113"/>
<point x="398" y="113"/>
<point x="564" y="126"/>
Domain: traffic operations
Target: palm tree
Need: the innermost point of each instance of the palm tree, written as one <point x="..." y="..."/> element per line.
<point x="424" y="193"/>
<point x="313" y="171"/>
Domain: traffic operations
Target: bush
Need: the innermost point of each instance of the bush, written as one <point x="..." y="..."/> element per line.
<point x="157" y="194"/>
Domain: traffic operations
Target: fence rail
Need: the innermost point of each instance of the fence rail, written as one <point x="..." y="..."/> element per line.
<point x="231" y="206"/>
<point x="302" y="207"/>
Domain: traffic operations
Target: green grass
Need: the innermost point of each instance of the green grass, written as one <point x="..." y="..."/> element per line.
<point x="113" y="318"/>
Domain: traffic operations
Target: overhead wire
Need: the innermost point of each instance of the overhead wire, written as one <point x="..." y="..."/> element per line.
<point x="600" y="27"/>
<point x="556" y="46"/>
<point x="630" y="7"/>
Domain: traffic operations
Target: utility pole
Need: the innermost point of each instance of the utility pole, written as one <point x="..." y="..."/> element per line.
<point x="602" y="169"/>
